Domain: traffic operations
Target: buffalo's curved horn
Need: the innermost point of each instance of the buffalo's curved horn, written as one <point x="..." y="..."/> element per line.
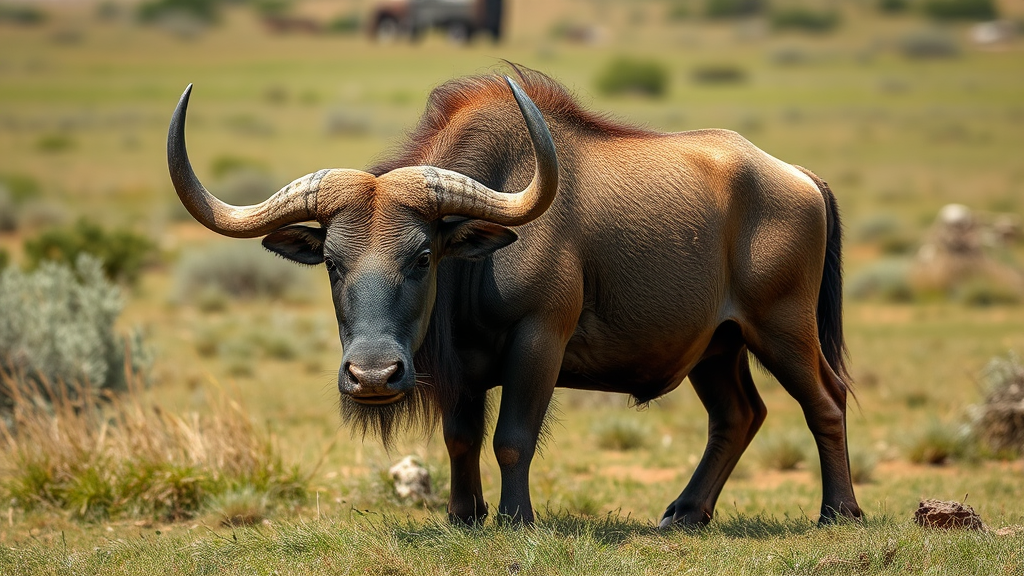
<point x="456" y="194"/>
<point x="296" y="202"/>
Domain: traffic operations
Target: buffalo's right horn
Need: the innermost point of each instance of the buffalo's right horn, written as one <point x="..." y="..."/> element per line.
<point x="296" y="202"/>
<point x="461" y="195"/>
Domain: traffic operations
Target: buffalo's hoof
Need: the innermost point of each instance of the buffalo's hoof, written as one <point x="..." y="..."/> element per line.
<point x="679" y="516"/>
<point x="844" y="514"/>
<point x="469" y="516"/>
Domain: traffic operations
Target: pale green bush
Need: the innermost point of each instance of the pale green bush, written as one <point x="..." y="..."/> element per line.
<point x="57" y="324"/>
<point x="236" y="270"/>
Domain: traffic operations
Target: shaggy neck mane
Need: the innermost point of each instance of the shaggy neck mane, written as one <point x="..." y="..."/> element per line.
<point x="558" y="105"/>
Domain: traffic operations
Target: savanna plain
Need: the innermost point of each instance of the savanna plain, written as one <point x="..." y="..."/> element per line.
<point x="229" y="430"/>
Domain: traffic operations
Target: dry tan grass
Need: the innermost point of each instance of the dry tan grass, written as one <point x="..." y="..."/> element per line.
<point x="101" y="455"/>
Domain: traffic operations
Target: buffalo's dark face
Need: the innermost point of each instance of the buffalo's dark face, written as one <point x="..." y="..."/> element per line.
<point x="382" y="262"/>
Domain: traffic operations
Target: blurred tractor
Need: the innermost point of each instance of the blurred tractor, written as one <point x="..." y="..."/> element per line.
<point x="461" y="19"/>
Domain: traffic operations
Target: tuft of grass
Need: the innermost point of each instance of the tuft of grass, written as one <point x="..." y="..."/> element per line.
<point x="240" y="507"/>
<point x="886" y="231"/>
<point x="961" y="9"/>
<point x="621" y="434"/>
<point x="206" y="11"/>
<point x="8" y="211"/>
<point x="119" y="456"/>
<point x="999" y="420"/>
<point x="349" y="23"/>
<point x="21" y="187"/>
<point x="886" y="280"/>
<point x="805" y="19"/>
<point x="722" y="73"/>
<point x="583" y="503"/>
<point x="55" y="143"/>
<point x="228" y="164"/>
<point x="939" y="443"/>
<point x="22" y="14"/>
<point x="862" y="466"/>
<point x="893" y="6"/>
<point x="984" y="291"/>
<point x="929" y="43"/>
<point x="733" y="8"/>
<point x="624" y="75"/>
<point x="782" y="452"/>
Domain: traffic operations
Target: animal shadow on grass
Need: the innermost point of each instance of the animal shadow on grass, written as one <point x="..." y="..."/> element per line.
<point x="612" y="529"/>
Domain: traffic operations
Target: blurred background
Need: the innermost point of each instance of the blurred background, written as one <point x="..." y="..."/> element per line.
<point x="912" y="110"/>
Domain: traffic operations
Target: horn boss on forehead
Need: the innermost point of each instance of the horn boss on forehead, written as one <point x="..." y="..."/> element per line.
<point x="318" y="195"/>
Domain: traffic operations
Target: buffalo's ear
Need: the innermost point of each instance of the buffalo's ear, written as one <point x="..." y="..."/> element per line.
<point x="475" y="239"/>
<point x="302" y="244"/>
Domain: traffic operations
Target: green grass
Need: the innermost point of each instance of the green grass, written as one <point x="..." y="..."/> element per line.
<point x="559" y="544"/>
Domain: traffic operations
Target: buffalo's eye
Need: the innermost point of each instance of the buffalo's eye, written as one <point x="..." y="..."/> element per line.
<point x="423" y="261"/>
<point x="330" y="264"/>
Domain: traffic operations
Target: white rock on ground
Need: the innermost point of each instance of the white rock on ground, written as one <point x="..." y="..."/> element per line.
<point x="412" y="480"/>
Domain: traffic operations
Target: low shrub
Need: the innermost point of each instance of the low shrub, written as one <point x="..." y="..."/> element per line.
<point x="8" y="211"/>
<point x="719" y="74"/>
<point x="625" y="75"/>
<point x="985" y="291"/>
<point x="939" y="443"/>
<point x="887" y="231"/>
<point x="999" y="420"/>
<point x="349" y="23"/>
<point x="782" y="452"/>
<point x="886" y="280"/>
<point x="123" y="253"/>
<point x="235" y="269"/>
<point x="227" y="164"/>
<point x="733" y="8"/>
<point x="961" y="9"/>
<point x="862" y="466"/>
<point x="122" y="457"/>
<point x="55" y="143"/>
<point x="929" y="43"/>
<point x="893" y="6"/>
<point x="207" y="11"/>
<point x="621" y="434"/>
<point x="21" y="187"/>
<point x="678" y="10"/>
<point x="272" y="8"/>
<point x="22" y="14"/>
<point x="805" y="19"/>
<point x="57" y="325"/>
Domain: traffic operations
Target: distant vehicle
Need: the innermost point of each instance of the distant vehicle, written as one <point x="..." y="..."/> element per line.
<point x="462" y="19"/>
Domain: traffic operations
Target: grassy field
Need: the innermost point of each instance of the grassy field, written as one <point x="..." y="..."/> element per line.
<point x="84" y="105"/>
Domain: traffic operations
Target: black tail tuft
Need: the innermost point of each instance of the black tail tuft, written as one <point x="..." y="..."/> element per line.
<point x="830" y="296"/>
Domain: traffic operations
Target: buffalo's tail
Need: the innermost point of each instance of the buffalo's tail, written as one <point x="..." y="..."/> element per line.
<point x="830" y="296"/>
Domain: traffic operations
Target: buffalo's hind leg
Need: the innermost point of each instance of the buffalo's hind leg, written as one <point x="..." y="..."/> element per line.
<point x="793" y="355"/>
<point x="464" y="437"/>
<point x="735" y="413"/>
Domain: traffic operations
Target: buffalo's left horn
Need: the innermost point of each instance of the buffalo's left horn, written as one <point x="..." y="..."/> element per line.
<point x="296" y="202"/>
<point x="456" y="194"/>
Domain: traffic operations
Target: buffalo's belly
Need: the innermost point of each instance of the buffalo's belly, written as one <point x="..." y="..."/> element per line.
<point x="643" y="366"/>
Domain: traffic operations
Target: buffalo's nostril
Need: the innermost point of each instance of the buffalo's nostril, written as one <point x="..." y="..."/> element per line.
<point x="398" y="373"/>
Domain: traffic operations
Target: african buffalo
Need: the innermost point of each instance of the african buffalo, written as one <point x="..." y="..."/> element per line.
<point x="628" y="261"/>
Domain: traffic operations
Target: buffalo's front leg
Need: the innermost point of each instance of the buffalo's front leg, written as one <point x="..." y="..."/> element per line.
<point x="464" y="437"/>
<point x="528" y="380"/>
